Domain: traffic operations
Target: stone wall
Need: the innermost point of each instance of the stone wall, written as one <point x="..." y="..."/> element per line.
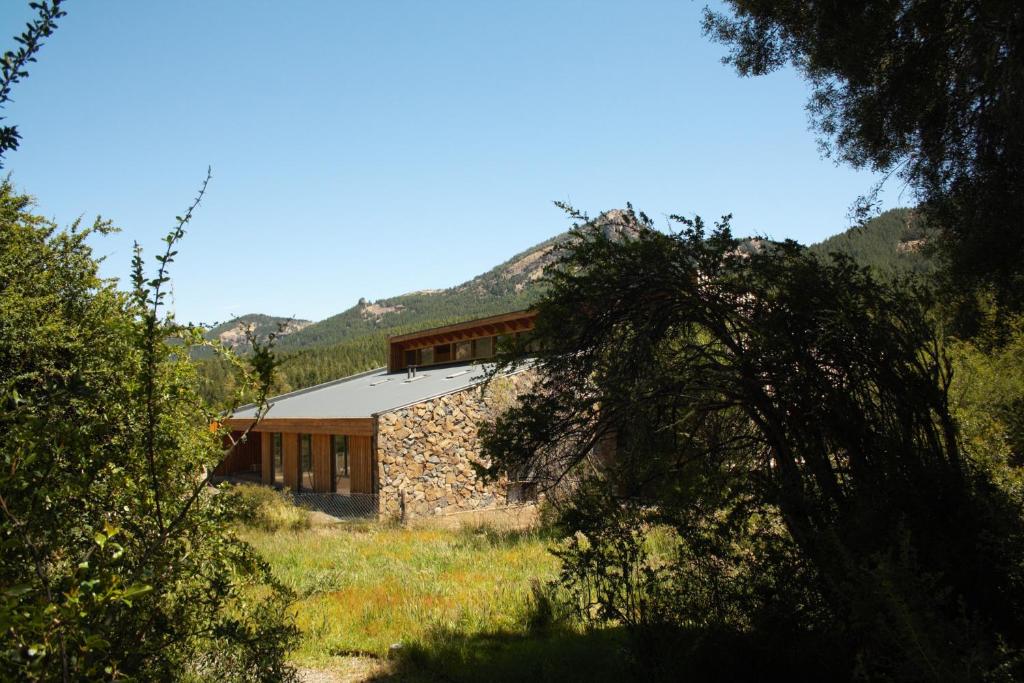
<point x="426" y="451"/>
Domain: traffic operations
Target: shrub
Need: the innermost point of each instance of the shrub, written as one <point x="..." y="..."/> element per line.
<point x="788" y="416"/>
<point x="264" y="508"/>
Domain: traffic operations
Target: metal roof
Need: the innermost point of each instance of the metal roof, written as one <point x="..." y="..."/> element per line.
<point x="370" y="393"/>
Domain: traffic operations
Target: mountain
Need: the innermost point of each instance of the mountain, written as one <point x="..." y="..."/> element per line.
<point x="233" y="333"/>
<point x="893" y="243"/>
<point x="356" y="339"/>
<point x="512" y="285"/>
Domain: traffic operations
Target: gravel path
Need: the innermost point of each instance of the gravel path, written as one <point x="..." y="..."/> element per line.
<point x="346" y="670"/>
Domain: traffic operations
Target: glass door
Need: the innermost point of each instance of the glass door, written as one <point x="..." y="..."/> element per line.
<point x="277" y="459"/>
<point x="305" y="462"/>
<point x="339" y="462"/>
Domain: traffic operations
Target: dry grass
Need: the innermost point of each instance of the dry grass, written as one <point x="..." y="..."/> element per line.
<point x="364" y="587"/>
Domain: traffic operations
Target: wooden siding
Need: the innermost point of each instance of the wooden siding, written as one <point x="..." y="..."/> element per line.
<point x="256" y="455"/>
<point x="244" y="458"/>
<point x="355" y="426"/>
<point x="290" y="448"/>
<point x="266" y="461"/>
<point x="323" y="482"/>
<point x="360" y="464"/>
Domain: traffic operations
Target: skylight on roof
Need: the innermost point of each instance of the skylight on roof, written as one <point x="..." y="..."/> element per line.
<point x="457" y="374"/>
<point x="380" y="381"/>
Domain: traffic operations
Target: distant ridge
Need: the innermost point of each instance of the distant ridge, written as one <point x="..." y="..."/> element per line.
<point x="509" y="286"/>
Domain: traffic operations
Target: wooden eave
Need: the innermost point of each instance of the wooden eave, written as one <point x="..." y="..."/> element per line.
<point x="352" y="426"/>
<point x="506" y="323"/>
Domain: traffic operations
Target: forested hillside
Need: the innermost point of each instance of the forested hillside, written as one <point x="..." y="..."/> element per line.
<point x="506" y="287"/>
<point x="894" y="242"/>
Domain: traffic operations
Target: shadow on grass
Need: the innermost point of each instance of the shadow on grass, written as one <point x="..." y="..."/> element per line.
<point x="609" y="654"/>
<point x="445" y="655"/>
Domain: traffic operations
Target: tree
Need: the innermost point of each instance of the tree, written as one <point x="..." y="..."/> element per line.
<point x="929" y="90"/>
<point x="786" y="415"/>
<point x="116" y="560"/>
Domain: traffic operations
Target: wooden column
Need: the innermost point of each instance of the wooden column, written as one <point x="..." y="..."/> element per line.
<point x="360" y="463"/>
<point x="322" y="480"/>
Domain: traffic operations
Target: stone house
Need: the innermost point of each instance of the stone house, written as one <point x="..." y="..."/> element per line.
<point x="406" y="434"/>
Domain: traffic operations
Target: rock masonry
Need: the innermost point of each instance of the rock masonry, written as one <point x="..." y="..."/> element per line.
<point x="426" y="452"/>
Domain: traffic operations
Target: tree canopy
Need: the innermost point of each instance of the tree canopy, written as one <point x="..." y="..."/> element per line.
<point x="788" y="416"/>
<point x="929" y="90"/>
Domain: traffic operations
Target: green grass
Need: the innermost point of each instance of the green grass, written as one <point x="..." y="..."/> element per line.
<point x="363" y="587"/>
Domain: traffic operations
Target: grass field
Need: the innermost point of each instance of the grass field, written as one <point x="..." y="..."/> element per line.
<point x="455" y="600"/>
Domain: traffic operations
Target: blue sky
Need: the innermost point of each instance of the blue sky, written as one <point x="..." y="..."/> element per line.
<point x="367" y="149"/>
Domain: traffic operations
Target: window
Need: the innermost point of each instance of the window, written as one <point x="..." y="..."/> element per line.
<point x="306" y="462"/>
<point x="339" y="452"/>
<point x="276" y="458"/>
<point x="442" y="353"/>
<point x="522" y="492"/>
<point x="462" y="351"/>
<point x="483" y="348"/>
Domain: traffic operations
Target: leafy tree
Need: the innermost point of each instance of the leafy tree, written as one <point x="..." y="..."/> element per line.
<point x="789" y="417"/>
<point x="116" y="561"/>
<point x="987" y="396"/>
<point x="929" y="90"/>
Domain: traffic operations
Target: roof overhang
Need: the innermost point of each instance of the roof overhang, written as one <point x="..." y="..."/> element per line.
<point x="352" y="426"/>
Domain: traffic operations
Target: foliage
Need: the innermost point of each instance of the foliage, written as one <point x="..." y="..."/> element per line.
<point x="264" y="508"/>
<point x="789" y="417"/>
<point x="115" y="562"/>
<point x="15" y="62"/>
<point x="987" y="396"/>
<point x="927" y="89"/>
